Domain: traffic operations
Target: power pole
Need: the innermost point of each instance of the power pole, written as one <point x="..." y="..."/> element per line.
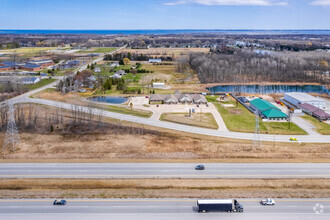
<point x="256" y="139"/>
<point x="12" y="137"/>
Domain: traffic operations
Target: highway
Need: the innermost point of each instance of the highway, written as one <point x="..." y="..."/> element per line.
<point x="164" y="170"/>
<point x="143" y="209"/>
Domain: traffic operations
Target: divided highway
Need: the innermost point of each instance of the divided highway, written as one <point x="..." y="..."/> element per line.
<point x="164" y="170"/>
<point x="143" y="209"/>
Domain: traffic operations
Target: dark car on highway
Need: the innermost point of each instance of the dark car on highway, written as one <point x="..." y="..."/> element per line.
<point x="200" y="167"/>
<point x="59" y="202"/>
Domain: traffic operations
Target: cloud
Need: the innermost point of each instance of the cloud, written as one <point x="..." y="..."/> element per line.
<point x="321" y="2"/>
<point x="233" y="2"/>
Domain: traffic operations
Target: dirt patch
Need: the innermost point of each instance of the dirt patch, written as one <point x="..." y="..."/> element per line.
<point x="235" y="111"/>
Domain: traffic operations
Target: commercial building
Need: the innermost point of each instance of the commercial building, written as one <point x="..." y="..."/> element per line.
<point x="178" y="98"/>
<point x="30" y="67"/>
<point x="30" y="80"/>
<point x="314" y="111"/>
<point x="267" y="110"/>
<point x="42" y="63"/>
<point x="298" y="98"/>
<point x="158" y="85"/>
<point x="155" y="60"/>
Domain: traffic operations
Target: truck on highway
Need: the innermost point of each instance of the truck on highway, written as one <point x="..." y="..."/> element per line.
<point x="219" y="205"/>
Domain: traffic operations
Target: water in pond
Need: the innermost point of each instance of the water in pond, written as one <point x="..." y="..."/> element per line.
<point x="108" y="99"/>
<point x="268" y="89"/>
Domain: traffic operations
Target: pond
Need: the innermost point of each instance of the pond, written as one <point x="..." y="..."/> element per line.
<point x="109" y="99"/>
<point x="269" y="89"/>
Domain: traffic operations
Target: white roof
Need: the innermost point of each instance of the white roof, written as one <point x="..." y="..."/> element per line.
<point x="160" y="84"/>
<point x="303" y="97"/>
<point x="214" y="201"/>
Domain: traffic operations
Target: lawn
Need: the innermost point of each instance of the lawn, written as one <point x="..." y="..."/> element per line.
<point x="42" y="83"/>
<point x="98" y="50"/>
<point x="242" y="120"/>
<point x="204" y="120"/>
<point x="321" y="127"/>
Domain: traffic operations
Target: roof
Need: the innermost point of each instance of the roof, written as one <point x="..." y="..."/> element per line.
<point x="31" y="65"/>
<point x="198" y="97"/>
<point x="156" y="97"/>
<point x="309" y="107"/>
<point x="263" y="105"/>
<point x="171" y="97"/>
<point x="29" y="79"/>
<point x="303" y="97"/>
<point x="274" y="113"/>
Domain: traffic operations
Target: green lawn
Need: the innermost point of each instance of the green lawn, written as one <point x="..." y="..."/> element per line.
<point x="211" y="98"/>
<point x="42" y="83"/>
<point x="98" y="50"/>
<point x="242" y="120"/>
<point x="205" y="120"/>
<point x="321" y="127"/>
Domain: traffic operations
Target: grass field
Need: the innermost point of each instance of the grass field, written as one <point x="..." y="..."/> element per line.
<point x="27" y="50"/>
<point x="98" y="50"/>
<point x="166" y="51"/>
<point x="42" y="83"/>
<point x="164" y="188"/>
<point x="204" y="120"/>
<point x="242" y="120"/>
<point x="126" y="110"/>
<point x="321" y="127"/>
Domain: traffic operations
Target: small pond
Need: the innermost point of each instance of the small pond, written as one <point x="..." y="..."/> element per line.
<point x="109" y="99"/>
<point x="269" y="89"/>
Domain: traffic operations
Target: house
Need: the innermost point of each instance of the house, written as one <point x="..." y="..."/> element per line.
<point x="314" y="111"/>
<point x="171" y="99"/>
<point x="297" y="98"/>
<point x="97" y="70"/>
<point x="158" y="85"/>
<point x="267" y="110"/>
<point x="156" y="98"/>
<point x="120" y="73"/>
<point x="30" y="80"/>
<point x="185" y="98"/>
<point x="116" y="64"/>
<point x="199" y="99"/>
<point x="155" y="60"/>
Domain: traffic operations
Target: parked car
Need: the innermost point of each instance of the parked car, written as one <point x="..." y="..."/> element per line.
<point x="267" y="201"/>
<point x="293" y="139"/>
<point x="59" y="202"/>
<point x="200" y="167"/>
<point x="147" y="97"/>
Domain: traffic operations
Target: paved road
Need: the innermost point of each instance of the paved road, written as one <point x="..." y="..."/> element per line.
<point x="142" y="209"/>
<point x="164" y="170"/>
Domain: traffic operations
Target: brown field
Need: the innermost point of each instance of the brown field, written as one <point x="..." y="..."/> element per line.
<point x="205" y="120"/>
<point x="166" y="51"/>
<point x="164" y="188"/>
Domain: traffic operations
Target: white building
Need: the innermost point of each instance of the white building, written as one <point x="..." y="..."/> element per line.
<point x="30" y="80"/>
<point x="158" y="85"/>
<point x="155" y="60"/>
<point x="97" y="70"/>
<point x="297" y="98"/>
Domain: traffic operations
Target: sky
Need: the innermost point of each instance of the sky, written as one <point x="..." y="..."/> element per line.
<point x="164" y="14"/>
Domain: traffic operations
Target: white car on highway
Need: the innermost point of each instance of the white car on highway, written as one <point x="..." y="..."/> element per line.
<point x="267" y="202"/>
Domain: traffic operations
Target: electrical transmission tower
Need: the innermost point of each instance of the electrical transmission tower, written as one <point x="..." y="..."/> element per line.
<point x="12" y="136"/>
<point x="256" y="139"/>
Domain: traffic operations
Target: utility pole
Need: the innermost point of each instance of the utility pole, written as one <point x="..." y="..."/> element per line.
<point x="12" y="137"/>
<point x="256" y="139"/>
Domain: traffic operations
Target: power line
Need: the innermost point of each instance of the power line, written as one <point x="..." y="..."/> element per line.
<point x="12" y="137"/>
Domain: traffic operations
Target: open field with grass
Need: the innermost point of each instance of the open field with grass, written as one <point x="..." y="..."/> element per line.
<point x="98" y="50"/>
<point x="166" y="51"/>
<point x="321" y="127"/>
<point x="242" y="120"/>
<point x="27" y="50"/>
<point x="42" y="83"/>
<point x="204" y="120"/>
<point x="164" y="188"/>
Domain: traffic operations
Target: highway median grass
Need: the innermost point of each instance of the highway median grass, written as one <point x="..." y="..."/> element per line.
<point x="164" y="188"/>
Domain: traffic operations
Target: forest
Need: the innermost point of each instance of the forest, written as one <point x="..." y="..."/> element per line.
<point x="248" y="66"/>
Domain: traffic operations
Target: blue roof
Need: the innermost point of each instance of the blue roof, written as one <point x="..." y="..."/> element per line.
<point x="29" y="79"/>
<point x="31" y="65"/>
<point x="9" y="63"/>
